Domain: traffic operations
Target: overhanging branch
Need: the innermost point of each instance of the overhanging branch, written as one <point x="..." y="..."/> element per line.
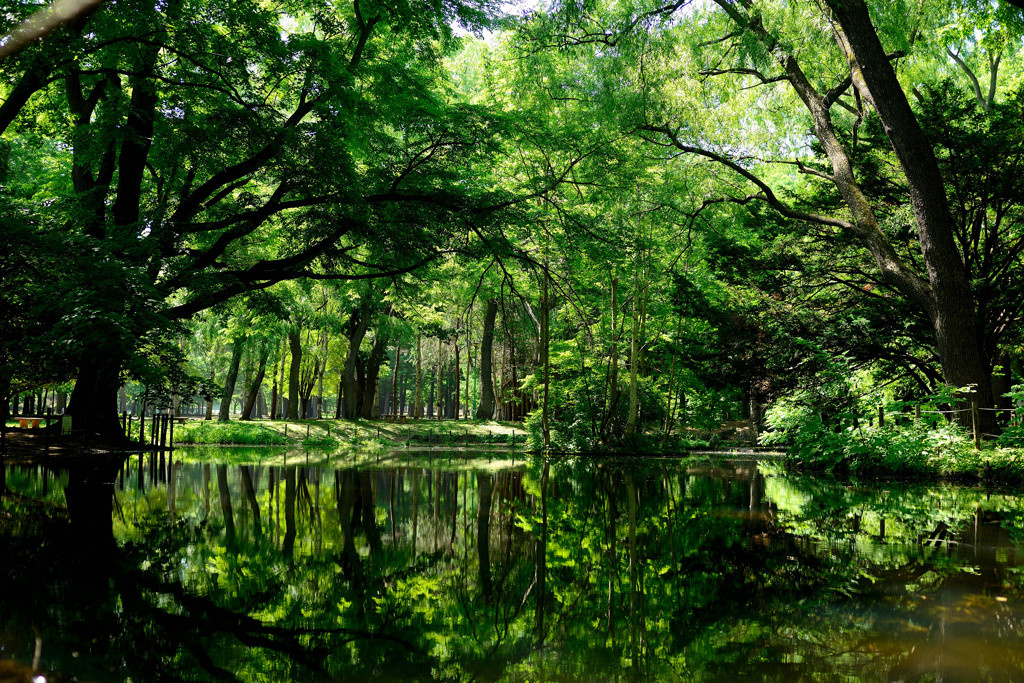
<point x="767" y="194"/>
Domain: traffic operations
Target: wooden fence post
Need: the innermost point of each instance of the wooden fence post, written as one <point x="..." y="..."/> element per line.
<point x="976" y="422"/>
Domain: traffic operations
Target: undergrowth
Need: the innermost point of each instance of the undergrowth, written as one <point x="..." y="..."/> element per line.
<point x="905" y="446"/>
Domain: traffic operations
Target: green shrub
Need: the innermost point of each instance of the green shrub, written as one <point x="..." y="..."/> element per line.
<point x="903" y="446"/>
<point x="1013" y="434"/>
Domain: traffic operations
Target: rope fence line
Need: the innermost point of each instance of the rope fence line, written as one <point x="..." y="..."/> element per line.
<point x="967" y="410"/>
<point x="974" y="409"/>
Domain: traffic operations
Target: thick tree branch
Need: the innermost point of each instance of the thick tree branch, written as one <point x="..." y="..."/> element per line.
<point x="42" y="22"/>
<point x="975" y="85"/>
<point x="241" y="282"/>
<point x="191" y="204"/>
<point x="767" y="194"/>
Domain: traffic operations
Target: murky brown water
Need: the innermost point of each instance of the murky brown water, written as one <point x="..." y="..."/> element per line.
<point x="198" y="568"/>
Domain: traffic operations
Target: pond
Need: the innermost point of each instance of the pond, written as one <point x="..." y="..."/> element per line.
<point x="260" y="566"/>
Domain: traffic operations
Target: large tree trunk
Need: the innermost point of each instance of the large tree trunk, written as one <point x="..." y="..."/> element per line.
<point x="279" y="413"/>
<point x="953" y="311"/>
<point x="394" y="382"/>
<point x="320" y="379"/>
<point x="93" y="404"/>
<point x="254" y="389"/>
<point x="469" y="366"/>
<point x="634" y="355"/>
<point x="485" y="410"/>
<point x="273" y="393"/>
<point x="440" y="374"/>
<point x="360" y="323"/>
<point x="417" y="404"/>
<point x="612" y="379"/>
<point x="295" y="344"/>
<point x="307" y="382"/>
<point x="455" y="383"/>
<point x="430" y="399"/>
<point x="339" y="406"/>
<point x="373" y="373"/>
<point x="945" y="295"/>
<point x="545" y="351"/>
<point x="209" y="397"/>
<point x="231" y="379"/>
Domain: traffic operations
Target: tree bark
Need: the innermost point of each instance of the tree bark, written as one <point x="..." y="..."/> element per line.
<point x="320" y="378"/>
<point x="93" y="403"/>
<point x="455" y="384"/>
<point x="280" y="383"/>
<point x="359" y="323"/>
<point x="273" y="390"/>
<point x="417" y="406"/>
<point x="440" y="373"/>
<point x="394" y="382"/>
<point x="430" y="399"/>
<point x="634" y="356"/>
<point x="254" y="389"/>
<point x="295" y="344"/>
<point x="613" y="361"/>
<point x="209" y="397"/>
<point x="35" y="77"/>
<point x="373" y="373"/>
<point x="485" y="410"/>
<point x="545" y="350"/>
<point x="469" y="365"/>
<point x="232" y="377"/>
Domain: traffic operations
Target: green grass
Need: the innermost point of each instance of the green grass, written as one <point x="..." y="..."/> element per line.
<point x="333" y="433"/>
<point x="237" y="433"/>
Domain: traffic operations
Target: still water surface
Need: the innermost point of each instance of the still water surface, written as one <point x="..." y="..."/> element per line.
<point x="261" y="566"/>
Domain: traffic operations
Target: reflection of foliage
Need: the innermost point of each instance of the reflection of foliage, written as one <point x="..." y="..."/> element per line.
<point x="700" y="570"/>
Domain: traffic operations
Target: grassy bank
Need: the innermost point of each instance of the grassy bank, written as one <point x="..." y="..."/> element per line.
<point x="349" y="433"/>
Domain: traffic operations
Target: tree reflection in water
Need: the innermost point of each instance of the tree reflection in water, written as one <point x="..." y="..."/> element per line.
<point x="158" y="569"/>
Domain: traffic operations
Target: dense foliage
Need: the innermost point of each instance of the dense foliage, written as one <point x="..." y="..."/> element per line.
<point x="626" y="224"/>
